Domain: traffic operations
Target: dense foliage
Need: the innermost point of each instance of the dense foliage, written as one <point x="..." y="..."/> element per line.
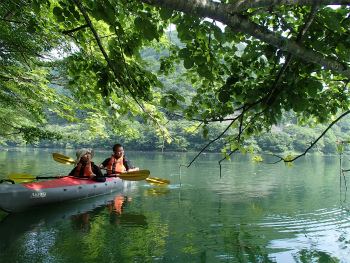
<point x="261" y="60"/>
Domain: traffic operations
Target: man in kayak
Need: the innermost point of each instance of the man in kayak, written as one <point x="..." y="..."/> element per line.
<point x="85" y="168"/>
<point x="117" y="163"/>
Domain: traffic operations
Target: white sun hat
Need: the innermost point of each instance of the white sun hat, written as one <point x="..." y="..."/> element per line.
<point x="80" y="153"/>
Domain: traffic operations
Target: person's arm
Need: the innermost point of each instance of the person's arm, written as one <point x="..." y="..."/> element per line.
<point x="104" y="163"/>
<point x="97" y="171"/>
<point x="73" y="171"/>
<point x="98" y="175"/>
<point x="128" y="166"/>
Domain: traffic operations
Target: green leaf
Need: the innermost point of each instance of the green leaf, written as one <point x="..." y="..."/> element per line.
<point x="102" y="82"/>
<point x="313" y="87"/>
<point x="31" y="26"/>
<point x="340" y="148"/>
<point x="312" y="90"/>
<point x="188" y="63"/>
<point x="240" y="98"/>
<point x="71" y="73"/>
<point x="60" y="18"/>
<point x="138" y="22"/>
<point x="257" y="159"/>
<point x="109" y="10"/>
<point x="177" y="19"/>
<point x="36" y="6"/>
<point x="163" y="102"/>
<point x="151" y="32"/>
<point x="234" y="125"/>
<point x="165" y="13"/>
<point x="182" y="30"/>
<point x="334" y="22"/>
<point x="96" y="13"/>
<point x="204" y="72"/>
<point x="219" y="36"/>
<point x="57" y="11"/>
<point x="66" y="13"/>
<point x="204" y="115"/>
<point x="205" y="132"/>
<point x="184" y="53"/>
<point x="341" y="48"/>
<point x="200" y="33"/>
<point x="234" y="145"/>
<point x="224" y="96"/>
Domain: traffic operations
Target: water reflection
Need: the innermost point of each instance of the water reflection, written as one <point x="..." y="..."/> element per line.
<point x="79" y="213"/>
<point x="157" y="191"/>
<point x="114" y="213"/>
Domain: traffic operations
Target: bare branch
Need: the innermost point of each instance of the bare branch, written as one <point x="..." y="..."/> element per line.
<point x="315" y="142"/>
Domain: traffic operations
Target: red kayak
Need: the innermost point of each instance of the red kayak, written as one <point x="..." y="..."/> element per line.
<point x="19" y="197"/>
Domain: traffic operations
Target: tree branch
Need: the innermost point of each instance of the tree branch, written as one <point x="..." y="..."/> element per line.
<point x="67" y="32"/>
<point x="228" y="15"/>
<point x="315" y="142"/>
<point x="111" y="65"/>
<point x="17" y="76"/>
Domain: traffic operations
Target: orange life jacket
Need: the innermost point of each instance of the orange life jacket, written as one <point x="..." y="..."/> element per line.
<point x="87" y="170"/>
<point x="115" y="166"/>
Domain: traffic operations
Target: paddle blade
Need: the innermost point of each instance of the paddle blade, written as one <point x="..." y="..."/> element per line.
<point x="135" y="175"/>
<point x="21" y="178"/>
<point x="158" y="181"/>
<point x="62" y="158"/>
<point x="139" y="172"/>
<point x="133" y="178"/>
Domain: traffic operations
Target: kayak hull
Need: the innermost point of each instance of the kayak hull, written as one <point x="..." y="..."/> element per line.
<point x="20" y="197"/>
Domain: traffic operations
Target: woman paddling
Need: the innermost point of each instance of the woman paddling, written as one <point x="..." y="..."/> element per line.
<point x="85" y="168"/>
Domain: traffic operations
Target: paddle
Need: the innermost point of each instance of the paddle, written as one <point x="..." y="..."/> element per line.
<point x="151" y="180"/>
<point x="158" y="181"/>
<point x="132" y="176"/>
<point x="25" y="178"/>
<point x="129" y="176"/>
<point x="62" y="159"/>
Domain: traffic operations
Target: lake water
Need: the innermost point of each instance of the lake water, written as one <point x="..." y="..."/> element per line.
<point x="254" y="213"/>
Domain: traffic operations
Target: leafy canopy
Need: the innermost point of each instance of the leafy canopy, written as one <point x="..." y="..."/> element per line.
<point x="261" y="59"/>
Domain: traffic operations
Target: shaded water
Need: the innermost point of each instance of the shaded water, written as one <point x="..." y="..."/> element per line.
<point x="254" y="213"/>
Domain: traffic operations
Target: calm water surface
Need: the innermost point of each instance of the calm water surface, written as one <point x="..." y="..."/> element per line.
<point x="254" y="213"/>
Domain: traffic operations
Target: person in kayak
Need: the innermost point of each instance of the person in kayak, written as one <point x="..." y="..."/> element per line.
<point x="117" y="163"/>
<point x="85" y="168"/>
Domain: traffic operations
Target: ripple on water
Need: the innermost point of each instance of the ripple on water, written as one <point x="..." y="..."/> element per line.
<point x="317" y="221"/>
<point x="323" y="231"/>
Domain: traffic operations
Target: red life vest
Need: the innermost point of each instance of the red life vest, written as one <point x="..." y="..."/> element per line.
<point x="115" y="166"/>
<point x="87" y="170"/>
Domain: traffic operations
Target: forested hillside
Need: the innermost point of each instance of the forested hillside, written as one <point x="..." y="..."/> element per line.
<point x="286" y="137"/>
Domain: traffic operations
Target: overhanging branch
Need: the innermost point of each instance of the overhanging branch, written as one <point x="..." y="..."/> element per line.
<point x="229" y="14"/>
